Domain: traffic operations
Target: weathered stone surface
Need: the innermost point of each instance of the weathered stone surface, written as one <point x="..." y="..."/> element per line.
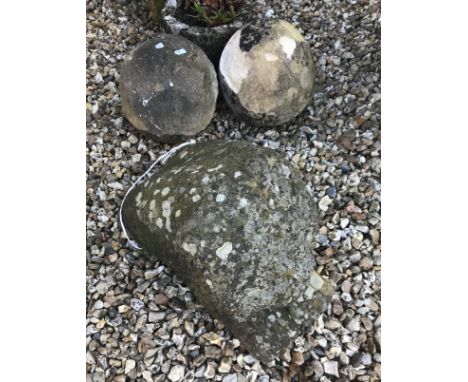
<point x="267" y="73"/>
<point x="236" y="223"/>
<point x="168" y="88"/>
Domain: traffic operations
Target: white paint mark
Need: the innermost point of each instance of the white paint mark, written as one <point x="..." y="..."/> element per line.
<point x="220" y="198"/>
<point x="180" y="51"/>
<point x="289" y="45"/>
<point x="223" y="251"/>
<point x="159" y="45"/>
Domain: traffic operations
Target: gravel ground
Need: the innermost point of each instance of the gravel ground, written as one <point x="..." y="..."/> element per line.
<point x="142" y="323"/>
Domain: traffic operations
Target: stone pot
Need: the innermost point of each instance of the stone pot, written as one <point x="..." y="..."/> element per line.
<point x="211" y="39"/>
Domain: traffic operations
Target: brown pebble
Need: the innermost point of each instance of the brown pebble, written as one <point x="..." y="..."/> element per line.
<point x="161" y="299"/>
<point x="297" y="358"/>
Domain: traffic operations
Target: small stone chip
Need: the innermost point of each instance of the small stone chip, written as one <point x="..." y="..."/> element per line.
<point x="331" y="368"/>
<point x="177" y="373"/>
<point x="129" y="365"/>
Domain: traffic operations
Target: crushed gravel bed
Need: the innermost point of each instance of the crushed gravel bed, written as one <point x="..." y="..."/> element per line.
<point x="143" y="324"/>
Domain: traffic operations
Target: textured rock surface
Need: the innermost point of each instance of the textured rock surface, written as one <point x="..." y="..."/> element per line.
<point x="236" y="223"/>
<point x="267" y="73"/>
<point x="168" y="88"/>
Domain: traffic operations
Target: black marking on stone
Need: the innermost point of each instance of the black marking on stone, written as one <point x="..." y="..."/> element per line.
<point x="249" y="37"/>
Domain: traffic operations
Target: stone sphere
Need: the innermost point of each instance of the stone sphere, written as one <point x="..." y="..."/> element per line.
<point x="267" y="73"/>
<point x="168" y="88"/>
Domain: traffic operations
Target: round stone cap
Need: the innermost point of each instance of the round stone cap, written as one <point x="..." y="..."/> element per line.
<point x="168" y="88"/>
<point x="267" y="73"/>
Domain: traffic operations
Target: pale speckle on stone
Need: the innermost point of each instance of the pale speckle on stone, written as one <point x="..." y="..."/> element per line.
<point x="157" y="191"/>
<point x="159" y="223"/>
<point x="138" y="198"/>
<point x="220" y="198"/>
<point x="152" y="204"/>
<point x="196" y="198"/>
<point x="243" y="202"/>
<point x="209" y="283"/>
<point x="192" y="190"/>
<point x="237" y="174"/>
<point x="223" y="251"/>
<point x="309" y="292"/>
<point x="315" y="281"/>
<point x="165" y="191"/>
<point x="166" y="208"/>
<point x="190" y="248"/>
<point x="166" y="212"/>
<point x="215" y="168"/>
<point x="177" y="214"/>
<point x="159" y="45"/>
<point x="182" y="155"/>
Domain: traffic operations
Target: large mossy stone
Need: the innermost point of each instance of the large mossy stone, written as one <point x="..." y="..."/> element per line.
<point x="236" y="223"/>
<point x="168" y="88"/>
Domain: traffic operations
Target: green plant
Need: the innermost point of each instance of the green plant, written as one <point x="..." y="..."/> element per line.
<point x="213" y="12"/>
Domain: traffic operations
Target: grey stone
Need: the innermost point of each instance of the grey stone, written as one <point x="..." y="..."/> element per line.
<point x="248" y="258"/>
<point x="267" y="73"/>
<point x="168" y="88"/>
